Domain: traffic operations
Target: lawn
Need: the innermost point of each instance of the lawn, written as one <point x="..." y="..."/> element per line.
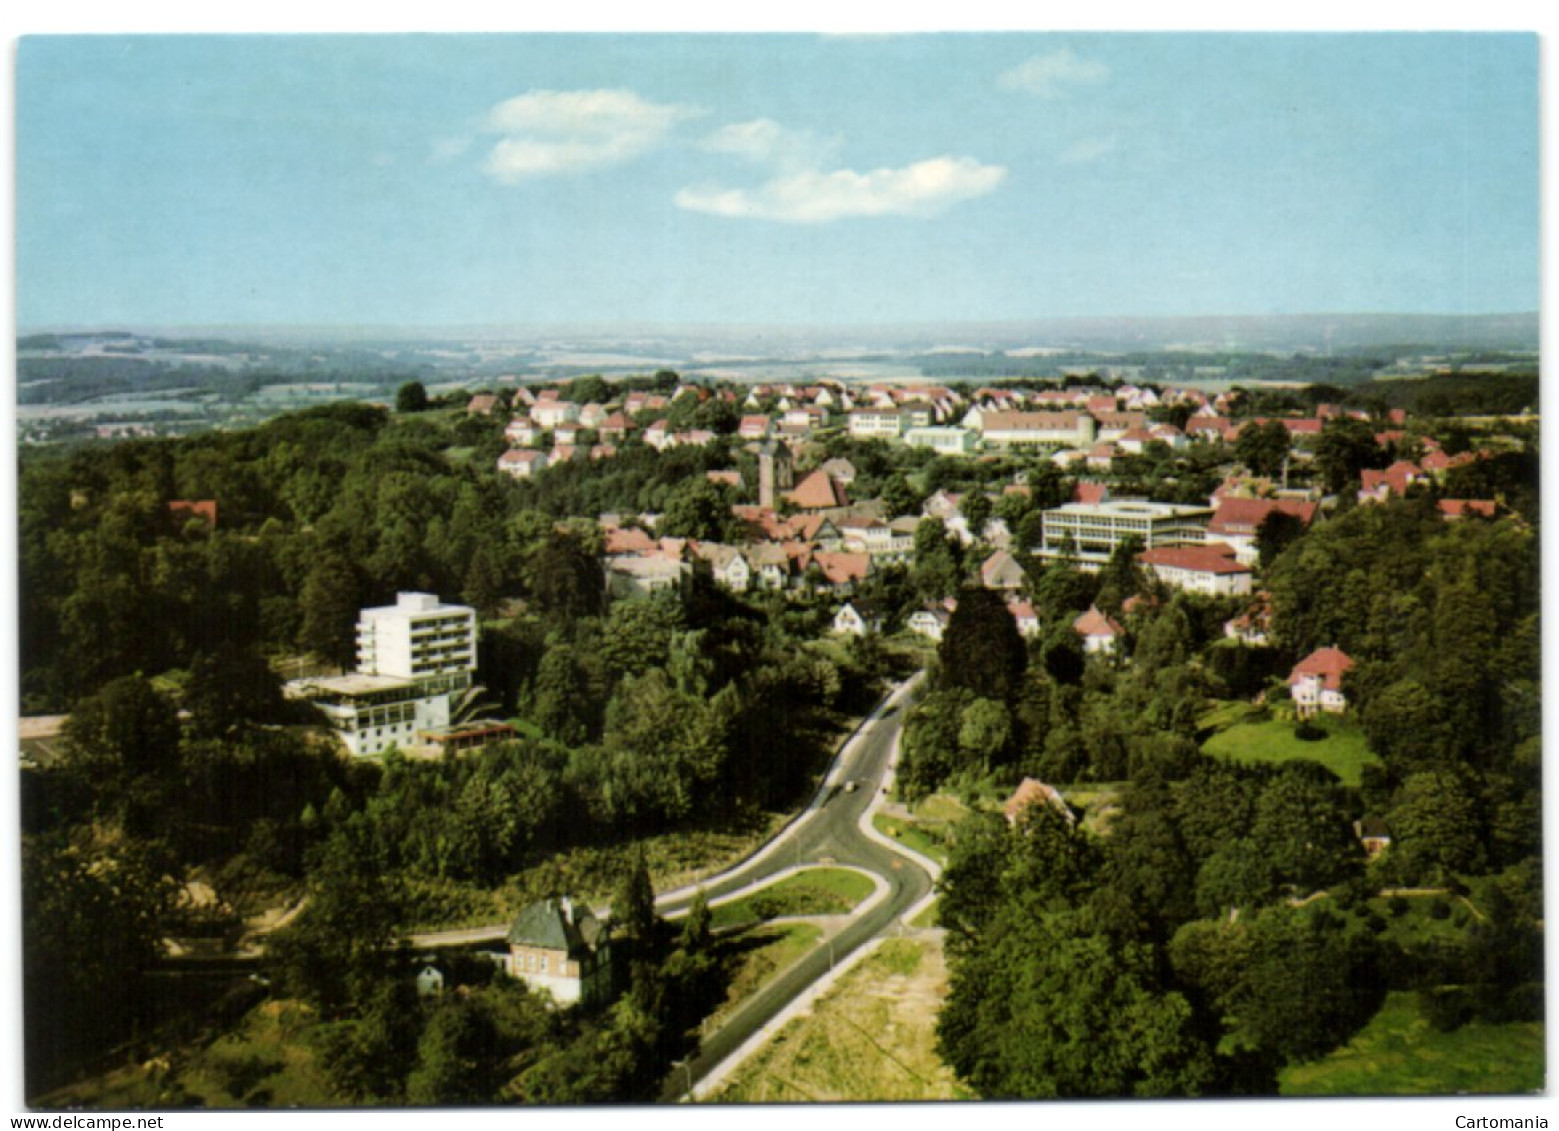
<point x="816" y="891"/>
<point x="928" y="829"/>
<point x="1399" y="1054"/>
<point x="871" y="1038"/>
<point x="1342" y="751"/>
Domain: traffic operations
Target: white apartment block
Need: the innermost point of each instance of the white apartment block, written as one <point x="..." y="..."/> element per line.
<point x="414" y="658"/>
<point x="1088" y="533"/>
<point x="416" y="637"/>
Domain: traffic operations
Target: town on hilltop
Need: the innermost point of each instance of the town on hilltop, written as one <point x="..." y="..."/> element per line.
<point x="557" y="741"/>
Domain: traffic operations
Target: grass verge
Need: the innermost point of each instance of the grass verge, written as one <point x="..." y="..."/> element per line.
<point x="871" y="1038"/>
<point x="753" y="957"/>
<point x="816" y="891"/>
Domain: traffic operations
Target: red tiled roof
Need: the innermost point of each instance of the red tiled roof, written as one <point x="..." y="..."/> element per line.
<point x="1458" y="508"/>
<point x="195" y="508"/>
<point x="1243" y="516"/>
<point x="842" y="567"/>
<point x="1034" y="792"/>
<point x="1327" y="663"/>
<point x="1197" y="559"/>
<point x="1095" y="623"/>
<point x="817" y="492"/>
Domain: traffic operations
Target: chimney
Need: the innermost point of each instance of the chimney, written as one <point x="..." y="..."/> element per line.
<point x="566" y="905"/>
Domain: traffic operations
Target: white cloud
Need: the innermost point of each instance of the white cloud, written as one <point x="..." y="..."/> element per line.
<point x="549" y="132"/>
<point x="1054" y="75"/>
<point x="1087" y="150"/>
<point x="816" y="197"/>
<point x="766" y="142"/>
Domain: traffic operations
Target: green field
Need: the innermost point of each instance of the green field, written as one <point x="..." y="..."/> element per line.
<point x="816" y="891"/>
<point x="1342" y="751"/>
<point x="1399" y="1054"/>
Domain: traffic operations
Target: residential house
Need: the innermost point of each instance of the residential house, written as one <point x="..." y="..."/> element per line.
<point x="929" y="622"/>
<point x="857" y="618"/>
<point x="729" y="567"/>
<point x="552" y="413"/>
<point x="1031" y="792"/>
<point x="522" y="432"/>
<point x="1025" y="617"/>
<point x="563" y="950"/>
<point x="482" y="404"/>
<point x="1378" y="486"/>
<point x="842" y="571"/>
<point x="1453" y="509"/>
<point x="1316" y="682"/>
<point x="1254" y="625"/>
<point x="754" y="428"/>
<point x="1100" y="633"/>
<point x="1374" y="834"/>
<point x="1002" y="571"/>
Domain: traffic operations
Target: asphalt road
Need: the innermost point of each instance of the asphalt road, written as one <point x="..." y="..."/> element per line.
<point x="827" y="832"/>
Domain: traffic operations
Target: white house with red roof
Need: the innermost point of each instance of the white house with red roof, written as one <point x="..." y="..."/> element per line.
<point x="1316" y="682"/>
<point x="1378" y="486"/>
<point x="1025" y="617"/>
<point x="522" y="463"/>
<point x="1211" y="570"/>
<point x="1099" y="632"/>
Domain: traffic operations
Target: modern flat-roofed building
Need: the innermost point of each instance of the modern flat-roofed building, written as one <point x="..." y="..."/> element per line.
<point x="418" y="636"/>
<point x="1086" y="534"/>
<point x="413" y="659"/>
<point x="950" y="440"/>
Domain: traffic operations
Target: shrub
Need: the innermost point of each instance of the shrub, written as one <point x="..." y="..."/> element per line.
<point x="1446" y="1007"/>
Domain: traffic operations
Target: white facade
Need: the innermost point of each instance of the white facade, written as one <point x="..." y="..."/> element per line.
<point x="1088" y="533"/>
<point x="951" y="440"/>
<point x="866" y="424"/>
<point x="1311" y="694"/>
<point x="416" y="637"/>
<point x="414" y="658"/>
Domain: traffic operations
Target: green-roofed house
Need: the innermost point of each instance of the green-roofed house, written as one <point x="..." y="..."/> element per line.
<point x="564" y="950"/>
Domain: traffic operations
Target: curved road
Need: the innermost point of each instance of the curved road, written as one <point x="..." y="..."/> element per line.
<point x="827" y="832"/>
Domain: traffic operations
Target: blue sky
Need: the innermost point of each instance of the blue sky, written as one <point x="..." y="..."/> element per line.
<point x="464" y="180"/>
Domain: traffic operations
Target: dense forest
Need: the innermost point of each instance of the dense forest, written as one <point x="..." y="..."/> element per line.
<point x="162" y="635"/>
<point x="1229" y="922"/>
